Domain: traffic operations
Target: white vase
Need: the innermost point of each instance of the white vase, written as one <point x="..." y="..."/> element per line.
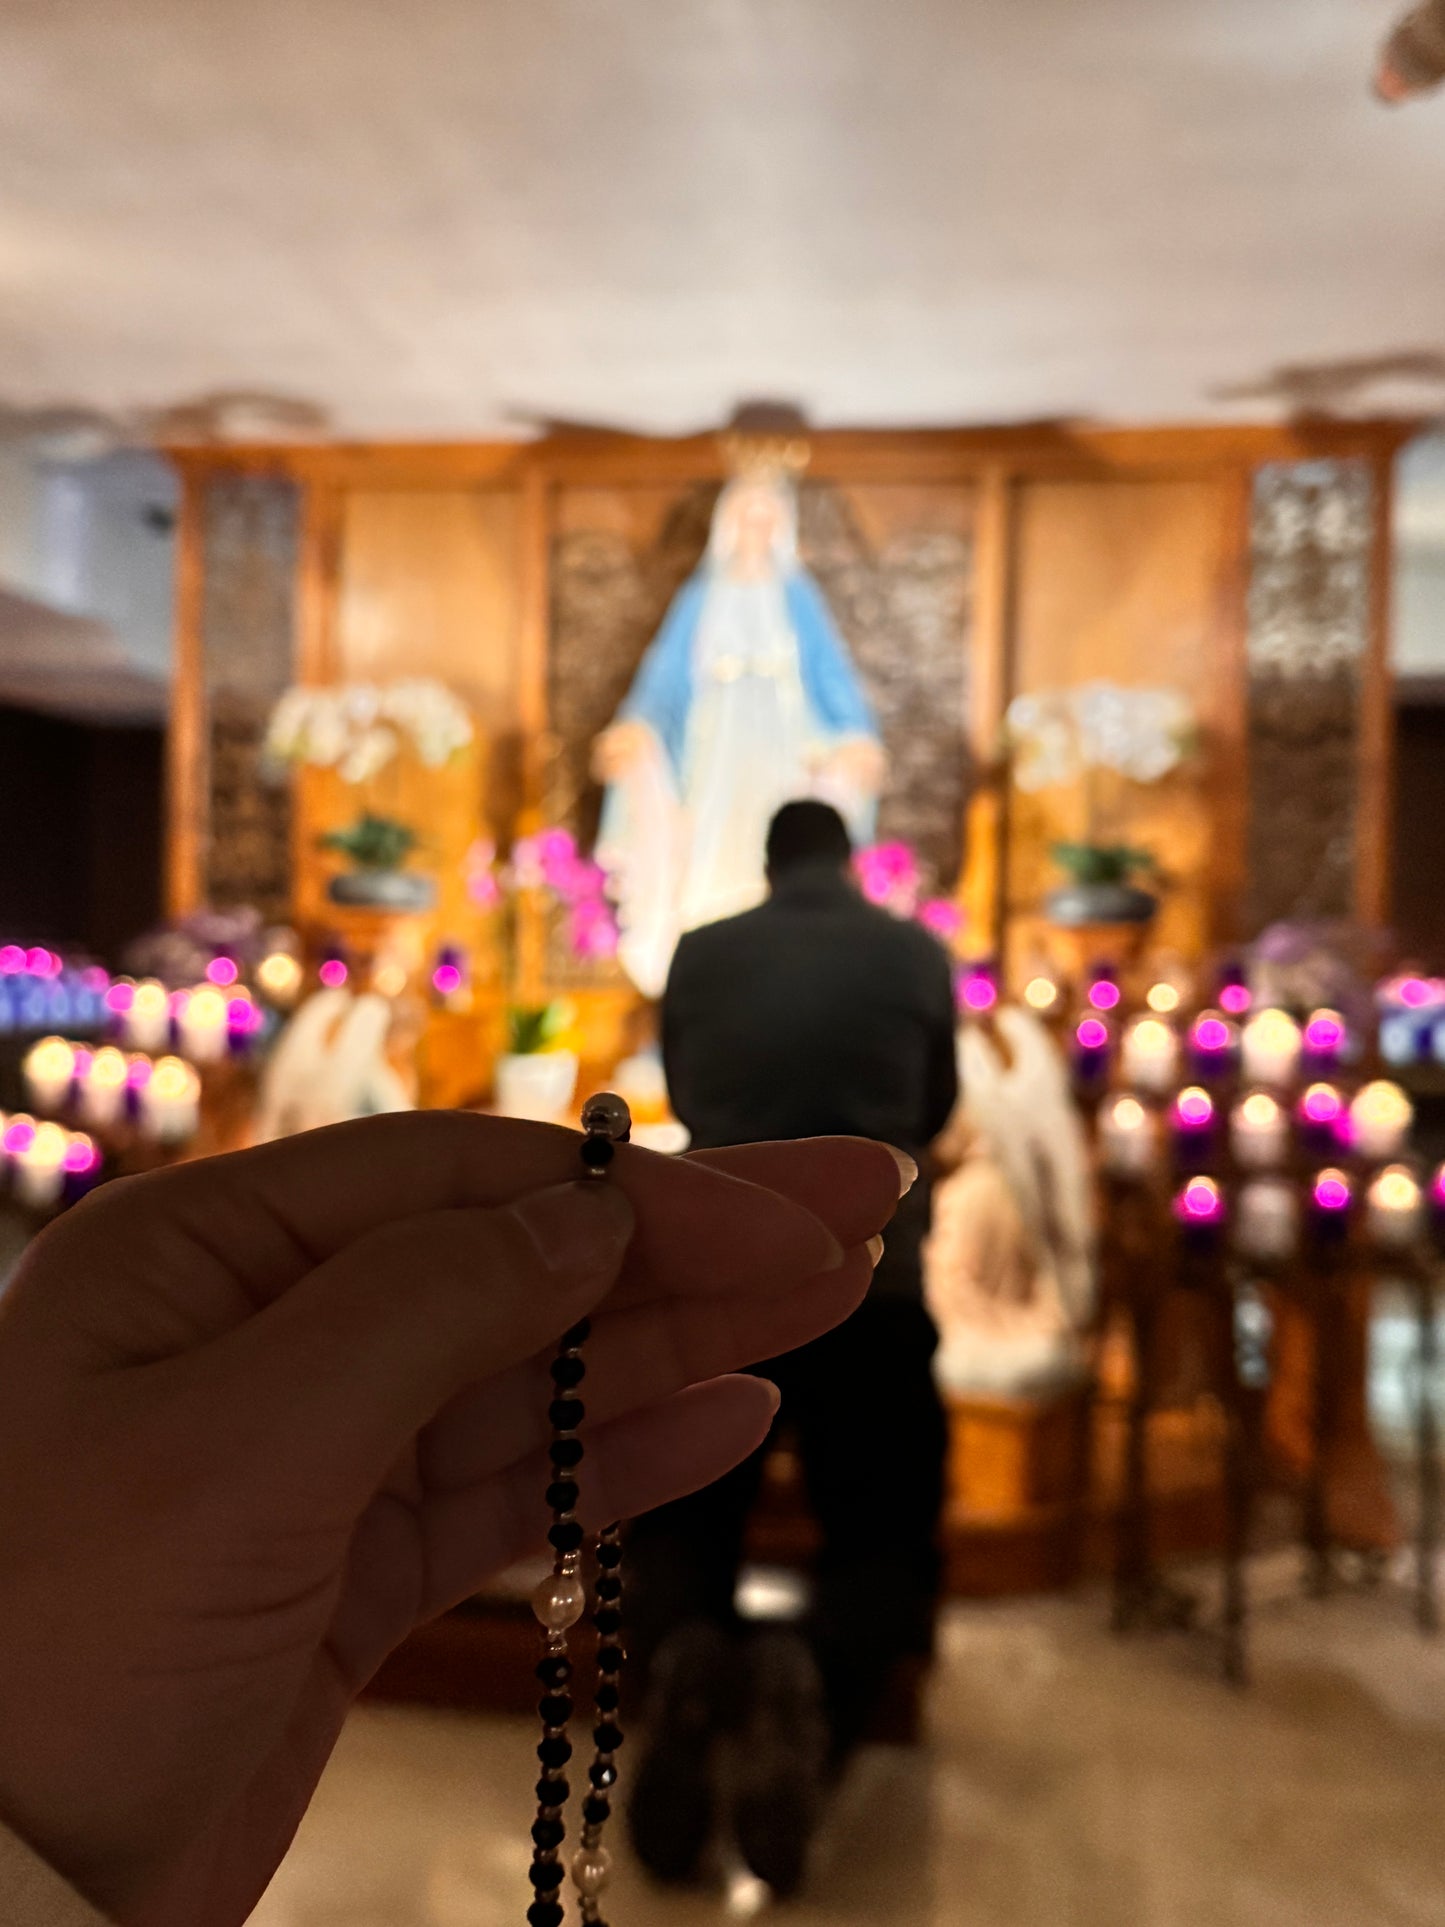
<point x="536" y="1084"/>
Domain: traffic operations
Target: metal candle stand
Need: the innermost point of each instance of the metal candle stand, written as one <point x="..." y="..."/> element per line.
<point x="1148" y="1252"/>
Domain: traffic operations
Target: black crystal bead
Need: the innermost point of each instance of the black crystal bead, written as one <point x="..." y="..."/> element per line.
<point x="545" y="1873"/>
<point x="607" y="1697"/>
<point x="566" y="1535"/>
<point x="565" y="1453"/>
<point x="609" y="1659"/>
<point x="602" y="1774"/>
<point x="555" y="1750"/>
<point x="609" y="1586"/>
<point x="577" y="1336"/>
<point x="545" y="1913"/>
<point x="596" y="1809"/>
<point x="548" y="1834"/>
<point x="553" y="1791"/>
<point x="566" y="1414"/>
<point x="607" y="1620"/>
<point x="607" y="1736"/>
<point x="562" y="1495"/>
<point x="567" y="1372"/>
<point x="598" y="1153"/>
<point x="554" y="1670"/>
<point x="555" y="1709"/>
<point x="609" y="1556"/>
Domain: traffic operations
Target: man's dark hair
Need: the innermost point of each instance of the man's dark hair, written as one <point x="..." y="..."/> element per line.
<point x="807" y="832"/>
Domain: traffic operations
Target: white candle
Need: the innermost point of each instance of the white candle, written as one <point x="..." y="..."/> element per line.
<point x="49" y="1068"/>
<point x="1271" y="1047"/>
<point x="102" y="1088"/>
<point x="1126" y="1138"/>
<point x="1394" y="1208"/>
<point x="1266" y="1225"/>
<point x="171" y="1102"/>
<point x="203" y="1025"/>
<point x="40" y="1167"/>
<point x="1380" y="1119"/>
<point x="1151" y="1056"/>
<point x="1259" y="1132"/>
<point x="148" y="1021"/>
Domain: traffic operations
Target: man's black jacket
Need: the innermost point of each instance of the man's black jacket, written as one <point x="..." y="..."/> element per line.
<point x="814" y="1014"/>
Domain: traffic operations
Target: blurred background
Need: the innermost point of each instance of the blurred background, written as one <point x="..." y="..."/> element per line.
<point x="373" y="383"/>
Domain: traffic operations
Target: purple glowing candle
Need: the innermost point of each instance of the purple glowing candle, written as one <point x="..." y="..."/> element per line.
<point x="1323" y="1119"/>
<point x="333" y="972"/>
<point x="977" y="991"/>
<point x="1325" y="1037"/>
<point x="1199" y="1208"/>
<point x="1092" y="1040"/>
<point x="1234" y="997"/>
<point x="1104" y="994"/>
<point x="1213" y="1045"/>
<point x="1331" y="1196"/>
<point x="1193" y="1119"/>
<point x="1437" y="1205"/>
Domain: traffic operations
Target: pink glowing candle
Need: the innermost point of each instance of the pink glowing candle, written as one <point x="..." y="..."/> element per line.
<point x="1193" y="1120"/>
<point x="222" y="971"/>
<point x="1331" y="1196"/>
<point x="1323" y="1120"/>
<point x="1104" y="993"/>
<point x="1324" y="1039"/>
<point x="12" y="959"/>
<point x="1437" y="1204"/>
<point x="1091" y="1048"/>
<point x="1213" y="1042"/>
<point x="446" y="979"/>
<point x="333" y="973"/>
<point x="978" y="991"/>
<point x="1199" y="1208"/>
<point x="1234" y="999"/>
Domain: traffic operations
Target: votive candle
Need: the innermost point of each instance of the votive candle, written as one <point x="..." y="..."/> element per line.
<point x="1150" y="1055"/>
<point x="1394" y="1208"/>
<point x="1259" y="1132"/>
<point x="1126" y="1138"/>
<point x="1270" y="1048"/>
<point x="1266" y="1226"/>
<point x="1380" y="1119"/>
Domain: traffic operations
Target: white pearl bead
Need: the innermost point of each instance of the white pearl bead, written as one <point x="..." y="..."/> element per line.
<point x="559" y="1602"/>
<point x="591" y="1869"/>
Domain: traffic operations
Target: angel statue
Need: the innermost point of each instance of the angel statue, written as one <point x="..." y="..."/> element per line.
<point x="745" y="699"/>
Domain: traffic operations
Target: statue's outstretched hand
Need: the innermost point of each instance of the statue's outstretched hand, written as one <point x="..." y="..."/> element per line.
<point x="262" y="1414"/>
<point x="619" y="749"/>
<point x="859" y="763"/>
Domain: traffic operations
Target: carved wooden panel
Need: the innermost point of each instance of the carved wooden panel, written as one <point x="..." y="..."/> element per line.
<point x="250" y="527"/>
<point x="1309" y="615"/>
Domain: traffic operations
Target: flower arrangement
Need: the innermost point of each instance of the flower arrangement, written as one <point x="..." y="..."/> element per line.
<point x="1084" y="735"/>
<point x="889" y="875"/>
<point x="551" y="863"/>
<point x="358" y="728"/>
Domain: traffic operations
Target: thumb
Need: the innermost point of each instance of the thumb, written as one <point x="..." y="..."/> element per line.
<point x="337" y="1376"/>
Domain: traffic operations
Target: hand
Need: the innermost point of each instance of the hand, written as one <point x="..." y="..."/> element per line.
<point x="859" y="763"/>
<point x="260" y="1415"/>
<point x="619" y="749"/>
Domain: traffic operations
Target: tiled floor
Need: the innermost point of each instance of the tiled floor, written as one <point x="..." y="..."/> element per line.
<point x="1070" y="1782"/>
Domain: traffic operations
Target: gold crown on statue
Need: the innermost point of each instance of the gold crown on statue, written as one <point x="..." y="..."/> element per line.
<point x="765" y="458"/>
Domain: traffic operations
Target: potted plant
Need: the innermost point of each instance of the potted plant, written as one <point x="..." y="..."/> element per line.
<point x="1099" y="737"/>
<point x="536" y="1075"/>
<point x="360" y="731"/>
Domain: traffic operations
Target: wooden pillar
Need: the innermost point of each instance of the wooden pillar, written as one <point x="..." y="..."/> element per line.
<point x="984" y="883"/>
<point x="1374" y="821"/>
<point x="186" y="757"/>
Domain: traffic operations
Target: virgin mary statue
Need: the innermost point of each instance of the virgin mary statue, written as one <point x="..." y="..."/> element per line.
<point x="745" y="699"/>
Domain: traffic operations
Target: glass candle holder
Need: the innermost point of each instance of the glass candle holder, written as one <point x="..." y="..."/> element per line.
<point x="1192" y="1120"/>
<point x="1394" y="1209"/>
<point x="1213" y="1046"/>
<point x="1331" y="1196"/>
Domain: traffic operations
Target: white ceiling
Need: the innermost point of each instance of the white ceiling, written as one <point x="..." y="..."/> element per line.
<point x="434" y="216"/>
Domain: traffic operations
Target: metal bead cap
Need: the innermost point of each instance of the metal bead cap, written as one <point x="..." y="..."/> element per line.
<point x="607" y="1115"/>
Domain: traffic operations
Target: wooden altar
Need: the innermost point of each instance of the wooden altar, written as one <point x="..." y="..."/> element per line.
<point x="1246" y="565"/>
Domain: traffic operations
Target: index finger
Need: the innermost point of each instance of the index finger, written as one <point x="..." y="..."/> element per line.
<point x="280" y="1209"/>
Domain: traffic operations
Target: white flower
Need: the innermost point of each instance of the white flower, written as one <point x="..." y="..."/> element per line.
<point x="358" y="727"/>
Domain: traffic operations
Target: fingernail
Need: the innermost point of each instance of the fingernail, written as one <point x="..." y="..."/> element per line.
<point x="907" y="1170"/>
<point x="578" y="1229"/>
<point x="875" y="1250"/>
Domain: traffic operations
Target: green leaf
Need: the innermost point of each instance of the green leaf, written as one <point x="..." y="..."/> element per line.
<point x="372" y="842"/>
<point x="1101" y="862"/>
